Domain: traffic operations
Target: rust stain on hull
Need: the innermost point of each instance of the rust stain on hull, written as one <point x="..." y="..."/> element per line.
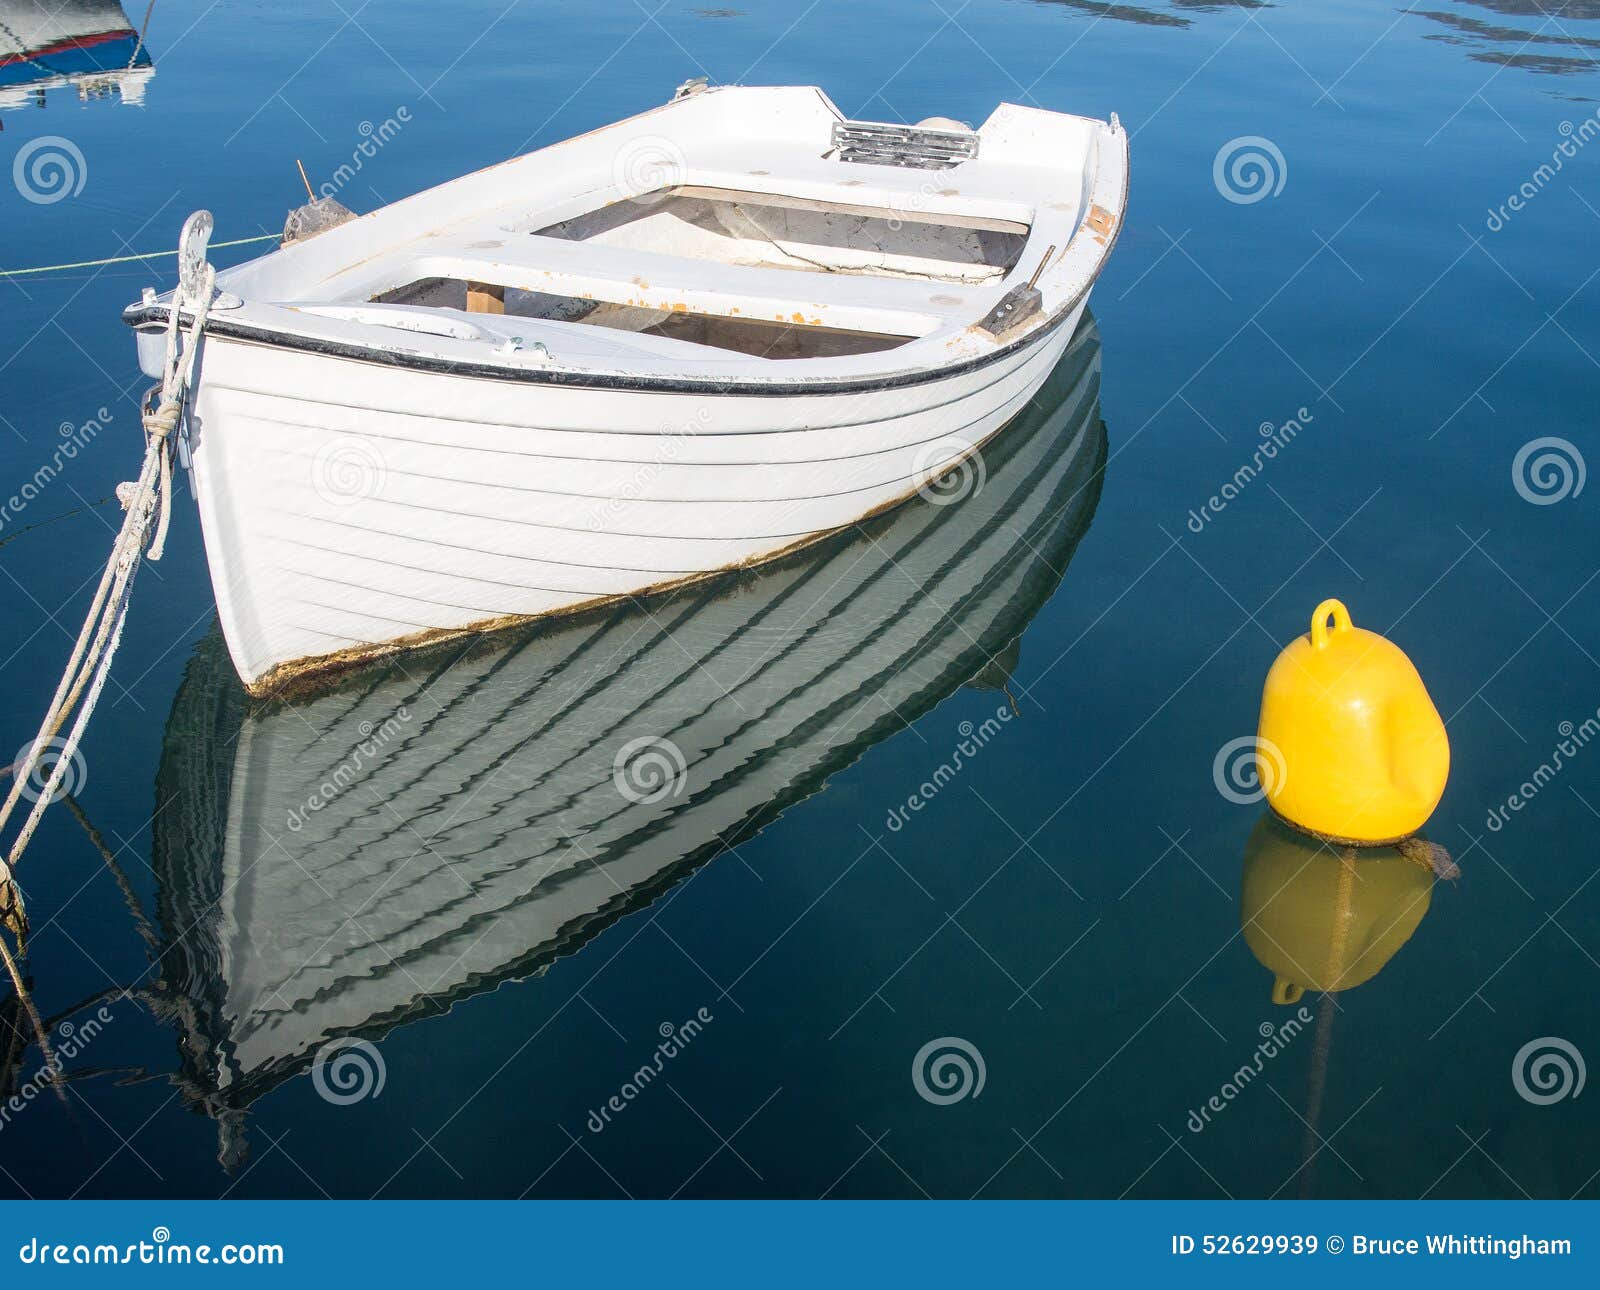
<point x="1100" y="221"/>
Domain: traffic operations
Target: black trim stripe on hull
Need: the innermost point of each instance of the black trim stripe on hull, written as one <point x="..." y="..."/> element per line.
<point x="152" y="316"/>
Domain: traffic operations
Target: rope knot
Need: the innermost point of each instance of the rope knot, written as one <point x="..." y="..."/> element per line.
<point x="164" y="420"/>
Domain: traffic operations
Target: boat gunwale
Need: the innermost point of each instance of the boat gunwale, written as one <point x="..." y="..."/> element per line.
<point x="145" y="317"/>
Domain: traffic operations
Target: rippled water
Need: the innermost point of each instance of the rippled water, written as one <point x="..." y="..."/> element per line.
<point x="947" y="810"/>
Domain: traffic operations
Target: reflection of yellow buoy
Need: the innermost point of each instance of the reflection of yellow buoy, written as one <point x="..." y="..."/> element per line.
<point x="1321" y="919"/>
<point x="1350" y="745"/>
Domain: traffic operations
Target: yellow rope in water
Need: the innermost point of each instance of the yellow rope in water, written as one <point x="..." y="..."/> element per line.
<point x="129" y="259"/>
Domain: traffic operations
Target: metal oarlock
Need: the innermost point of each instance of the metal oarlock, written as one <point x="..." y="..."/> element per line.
<point x="192" y="245"/>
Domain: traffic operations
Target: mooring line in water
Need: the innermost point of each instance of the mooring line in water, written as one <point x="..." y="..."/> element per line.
<point x="65" y="515"/>
<point x="148" y="502"/>
<point x="144" y="30"/>
<point x="130" y="898"/>
<point x="129" y="259"/>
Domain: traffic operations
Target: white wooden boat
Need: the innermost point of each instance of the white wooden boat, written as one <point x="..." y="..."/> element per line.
<point x="440" y="825"/>
<point x="686" y="342"/>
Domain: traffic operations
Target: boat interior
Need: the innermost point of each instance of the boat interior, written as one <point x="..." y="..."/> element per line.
<point x="736" y="230"/>
<point x="766" y="248"/>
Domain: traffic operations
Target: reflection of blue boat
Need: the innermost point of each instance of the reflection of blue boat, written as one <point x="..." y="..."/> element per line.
<point x="430" y="829"/>
<point x="89" y="44"/>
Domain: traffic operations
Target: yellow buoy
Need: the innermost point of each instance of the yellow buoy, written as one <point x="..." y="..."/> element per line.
<point x="1325" y="919"/>
<point x="1350" y="745"/>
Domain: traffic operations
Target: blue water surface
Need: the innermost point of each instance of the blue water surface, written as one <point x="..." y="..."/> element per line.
<point x="1378" y="222"/>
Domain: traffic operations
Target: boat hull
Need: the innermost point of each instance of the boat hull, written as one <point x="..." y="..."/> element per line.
<point x="366" y="513"/>
<point x="389" y="847"/>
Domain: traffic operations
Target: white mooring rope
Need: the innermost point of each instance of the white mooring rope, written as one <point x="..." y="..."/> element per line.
<point x="130" y="259"/>
<point x="150" y="495"/>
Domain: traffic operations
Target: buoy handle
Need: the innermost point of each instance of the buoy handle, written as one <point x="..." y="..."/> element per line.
<point x="1319" y="621"/>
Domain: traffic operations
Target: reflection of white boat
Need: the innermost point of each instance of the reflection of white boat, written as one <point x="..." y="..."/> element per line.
<point x="424" y="832"/>
<point x="88" y="44"/>
<point x="686" y="342"/>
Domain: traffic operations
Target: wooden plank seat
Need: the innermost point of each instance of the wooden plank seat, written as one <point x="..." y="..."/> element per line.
<point x="649" y="280"/>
